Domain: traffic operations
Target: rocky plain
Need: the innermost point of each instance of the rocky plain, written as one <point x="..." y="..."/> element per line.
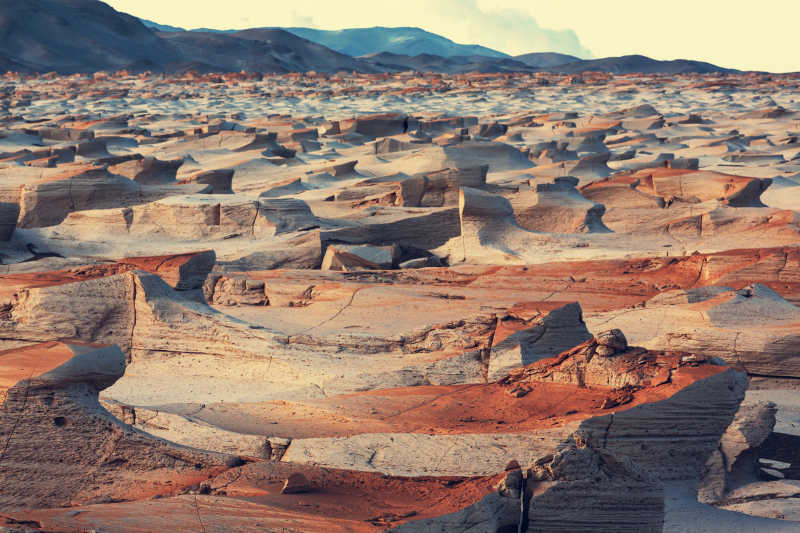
<point x="400" y="302"/>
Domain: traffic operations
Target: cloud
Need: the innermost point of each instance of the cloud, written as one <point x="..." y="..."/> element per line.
<point x="511" y="30"/>
<point x="301" y="20"/>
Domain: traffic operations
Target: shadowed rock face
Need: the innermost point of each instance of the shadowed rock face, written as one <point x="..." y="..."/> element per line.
<point x="148" y="170"/>
<point x="8" y="220"/>
<point x="735" y="463"/>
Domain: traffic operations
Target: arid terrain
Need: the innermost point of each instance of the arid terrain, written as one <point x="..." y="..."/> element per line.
<point x="400" y="302"/>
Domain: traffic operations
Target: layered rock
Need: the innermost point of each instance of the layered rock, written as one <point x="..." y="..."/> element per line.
<point x="51" y="419"/>
<point x="686" y="426"/>
<point x="735" y="462"/>
<point x="218" y="180"/>
<point x="148" y="170"/>
<point x="580" y="488"/>
<point x="432" y="189"/>
<point x="525" y="341"/>
<point x="557" y="207"/>
<point x="224" y="290"/>
<point x="752" y="327"/>
<point x="700" y="186"/>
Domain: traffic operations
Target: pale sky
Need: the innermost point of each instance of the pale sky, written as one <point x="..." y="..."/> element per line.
<point x="743" y="34"/>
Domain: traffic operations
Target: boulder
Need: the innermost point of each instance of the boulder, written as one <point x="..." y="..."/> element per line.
<point x="287" y="215"/>
<point x="376" y="125"/>
<point x="359" y="257"/>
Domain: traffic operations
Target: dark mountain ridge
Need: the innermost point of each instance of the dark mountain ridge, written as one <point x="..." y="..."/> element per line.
<point x="69" y="36"/>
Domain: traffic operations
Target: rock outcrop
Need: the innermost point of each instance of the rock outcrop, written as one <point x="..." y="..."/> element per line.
<point x="407" y="300"/>
<point x="51" y="419"/>
<point x="223" y="290"/>
<point x="580" y="488"/>
<point x="735" y="462"/>
<point x="557" y="207"/>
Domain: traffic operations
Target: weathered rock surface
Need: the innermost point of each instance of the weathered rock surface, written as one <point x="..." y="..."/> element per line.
<point x="534" y="339"/>
<point x="557" y="207"/>
<point x="752" y="327"/>
<point x="414" y="279"/>
<point x="580" y="488"/>
<point x="735" y="463"/>
<point x="51" y="419"/>
<point x="223" y="290"/>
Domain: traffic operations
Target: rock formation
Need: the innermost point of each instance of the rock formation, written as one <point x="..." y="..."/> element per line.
<point x="51" y="419"/>
<point x="390" y="299"/>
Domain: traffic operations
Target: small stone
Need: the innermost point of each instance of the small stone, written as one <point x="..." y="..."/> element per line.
<point x="613" y="338"/>
<point x="296" y="483"/>
<point x="511" y="486"/>
<point x="518" y="391"/>
<point x="419" y="262"/>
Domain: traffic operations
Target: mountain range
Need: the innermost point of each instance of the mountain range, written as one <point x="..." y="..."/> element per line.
<point x="69" y="36"/>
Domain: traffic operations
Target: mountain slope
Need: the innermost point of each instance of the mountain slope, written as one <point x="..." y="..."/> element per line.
<point x="301" y="53"/>
<point x="155" y="26"/>
<point x="259" y="50"/>
<point x="76" y="36"/>
<point x="451" y="65"/>
<point x="403" y="41"/>
<point x="70" y="36"/>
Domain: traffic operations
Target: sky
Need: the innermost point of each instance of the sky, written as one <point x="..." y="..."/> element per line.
<point x="741" y="34"/>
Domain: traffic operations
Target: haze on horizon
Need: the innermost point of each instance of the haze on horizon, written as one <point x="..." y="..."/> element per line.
<point x="710" y="30"/>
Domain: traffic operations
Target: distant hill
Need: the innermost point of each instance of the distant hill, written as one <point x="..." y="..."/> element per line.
<point x="363" y="41"/>
<point x="160" y="27"/>
<point x="638" y="63"/>
<point x="263" y="50"/>
<point x="546" y="59"/>
<point x="302" y="54"/>
<point x="70" y="36"/>
<point x="403" y="41"/>
<point x="434" y="63"/>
